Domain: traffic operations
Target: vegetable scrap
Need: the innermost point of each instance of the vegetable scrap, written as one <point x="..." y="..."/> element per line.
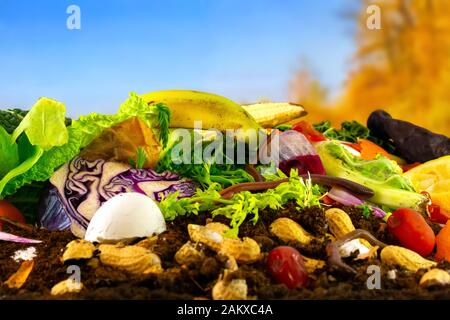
<point x="303" y="216"/>
<point x="17" y="280"/>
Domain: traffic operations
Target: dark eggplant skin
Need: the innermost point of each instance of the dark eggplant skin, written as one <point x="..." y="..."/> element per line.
<point x="412" y="143"/>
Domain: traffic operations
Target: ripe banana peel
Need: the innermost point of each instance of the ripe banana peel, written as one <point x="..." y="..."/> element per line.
<point x="215" y="112"/>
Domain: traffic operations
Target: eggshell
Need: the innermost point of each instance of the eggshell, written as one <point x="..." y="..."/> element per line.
<point x="125" y="217"/>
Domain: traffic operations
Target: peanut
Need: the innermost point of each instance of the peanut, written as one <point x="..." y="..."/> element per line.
<point x="78" y="249"/>
<point x="312" y="265"/>
<point x="245" y="251"/>
<point x="340" y="224"/>
<point x="435" y="277"/>
<point x="208" y="236"/>
<point x="133" y="259"/>
<point x="66" y="286"/>
<point x="396" y="256"/>
<point x="189" y="254"/>
<point x="288" y="230"/>
<point x="235" y="289"/>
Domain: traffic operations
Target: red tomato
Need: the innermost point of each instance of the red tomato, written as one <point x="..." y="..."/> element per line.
<point x="9" y="211"/>
<point x="443" y="243"/>
<point x="286" y="265"/>
<point x="411" y="229"/>
<point x="437" y="214"/>
<point x="308" y="131"/>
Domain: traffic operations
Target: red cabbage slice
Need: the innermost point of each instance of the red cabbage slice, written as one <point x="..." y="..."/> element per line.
<point x="80" y="187"/>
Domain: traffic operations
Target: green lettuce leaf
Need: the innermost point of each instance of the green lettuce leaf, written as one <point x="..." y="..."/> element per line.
<point x="243" y="204"/>
<point x="44" y="125"/>
<point x="382" y="175"/>
<point x="43" y="128"/>
<point x="80" y="134"/>
<point x="9" y="153"/>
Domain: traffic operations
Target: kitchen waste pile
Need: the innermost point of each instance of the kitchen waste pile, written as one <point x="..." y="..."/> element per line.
<point x="189" y="195"/>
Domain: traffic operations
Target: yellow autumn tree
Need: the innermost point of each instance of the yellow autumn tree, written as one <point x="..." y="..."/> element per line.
<point x="305" y="88"/>
<point x="403" y="67"/>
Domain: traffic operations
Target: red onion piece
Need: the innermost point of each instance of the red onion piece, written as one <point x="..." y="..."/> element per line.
<point x="344" y="197"/>
<point x="12" y="238"/>
<point x="377" y="212"/>
<point x="291" y="150"/>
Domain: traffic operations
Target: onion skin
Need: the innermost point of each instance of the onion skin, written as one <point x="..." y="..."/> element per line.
<point x="344" y="197"/>
<point x="13" y="238"/>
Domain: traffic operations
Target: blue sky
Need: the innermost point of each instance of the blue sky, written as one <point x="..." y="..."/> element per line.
<point x="245" y="50"/>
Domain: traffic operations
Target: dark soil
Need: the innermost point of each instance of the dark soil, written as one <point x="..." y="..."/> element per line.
<point x="195" y="281"/>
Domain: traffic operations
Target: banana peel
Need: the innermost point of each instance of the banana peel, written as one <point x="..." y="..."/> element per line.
<point x="215" y="112"/>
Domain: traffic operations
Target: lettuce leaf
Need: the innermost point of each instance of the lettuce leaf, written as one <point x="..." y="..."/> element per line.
<point x="9" y="153"/>
<point x="80" y="134"/>
<point x="43" y="127"/>
<point x="382" y="175"/>
<point x="243" y="204"/>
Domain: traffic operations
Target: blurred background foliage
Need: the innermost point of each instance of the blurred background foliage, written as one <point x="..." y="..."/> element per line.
<point x="404" y="68"/>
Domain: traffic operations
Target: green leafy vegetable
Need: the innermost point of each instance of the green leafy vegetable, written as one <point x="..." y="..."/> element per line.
<point x="164" y="116"/>
<point x="44" y="128"/>
<point x="82" y="132"/>
<point x="367" y="211"/>
<point x="44" y="124"/>
<point x="243" y="204"/>
<point x="9" y="153"/>
<point x="271" y="173"/>
<point x="284" y="127"/>
<point x="382" y="175"/>
<point x="141" y="157"/>
<point x="155" y="116"/>
<point x="322" y="126"/>
<point x="11" y="118"/>
<point x="207" y="172"/>
<point x="351" y="131"/>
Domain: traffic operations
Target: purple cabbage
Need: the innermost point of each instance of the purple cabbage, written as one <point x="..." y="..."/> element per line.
<point x="80" y="187"/>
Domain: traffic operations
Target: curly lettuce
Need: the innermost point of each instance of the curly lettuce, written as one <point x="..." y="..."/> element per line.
<point x="243" y="204"/>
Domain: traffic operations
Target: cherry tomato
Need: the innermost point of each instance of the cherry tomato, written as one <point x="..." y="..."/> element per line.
<point x="9" y="211"/>
<point x="286" y="265"/>
<point x="438" y="214"/>
<point x="308" y="131"/>
<point x="411" y="229"/>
